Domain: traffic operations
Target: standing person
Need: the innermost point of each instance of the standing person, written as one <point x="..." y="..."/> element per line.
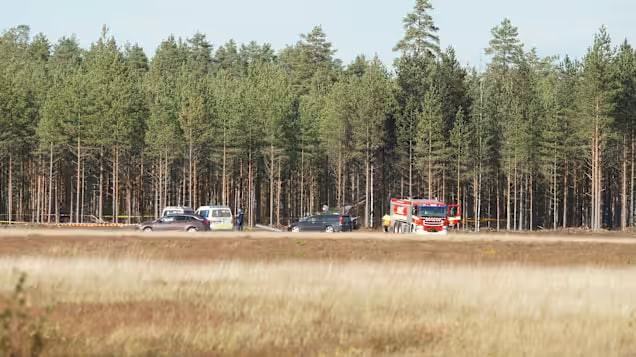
<point x="239" y="220"/>
<point x="386" y="222"/>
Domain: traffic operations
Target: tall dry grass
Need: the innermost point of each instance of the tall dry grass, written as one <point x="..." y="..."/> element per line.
<point x="138" y="307"/>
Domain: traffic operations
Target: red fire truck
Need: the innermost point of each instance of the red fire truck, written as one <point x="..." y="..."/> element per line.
<point x="423" y="215"/>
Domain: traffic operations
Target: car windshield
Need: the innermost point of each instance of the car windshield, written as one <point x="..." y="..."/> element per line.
<point x="431" y="211"/>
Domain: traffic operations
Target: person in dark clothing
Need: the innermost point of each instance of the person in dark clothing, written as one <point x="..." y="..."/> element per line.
<point x="239" y="220"/>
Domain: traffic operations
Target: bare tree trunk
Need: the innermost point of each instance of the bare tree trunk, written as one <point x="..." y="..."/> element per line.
<point x="509" y="184"/>
<point x="20" y="213"/>
<point x="79" y="177"/>
<point x="631" y="183"/>
<point x="458" y="199"/>
<point x="498" y="201"/>
<point x="311" y="189"/>
<point x="38" y="197"/>
<point x="250" y="187"/>
<point x="476" y="200"/>
<point x="81" y="207"/>
<point x="190" y="147"/>
<point x="224" y="193"/>
<point x="50" y="182"/>
<point x="367" y="189"/>
<point x="565" y="194"/>
<point x="195" y="201"/>
<point x="430" y="170"/>
<point x="184" y="188"/>
<point x="522" y="191"/>
<point x="371" y="204"/>
<point x="278" y="194"/>
<point x="159" y="192"/>
<point x="141" y="203"/>
<point x="302" y="181"/>
<point x="339" y="178"/>
<point x="624" y="186"/>
<point x="271" y="185"/>
<point x="555" y="208"/>
<point x="410" y="169"/>
<point x="531" y="211"/>
<point x="575" y="194"/>
<point x="596" y="163"/>
<point x="116" y="186"/>
<point x="128" y="195"/>
<point x="57" y="202"/>
<point x="443" y="198"/>
<point x="514" y="196"/>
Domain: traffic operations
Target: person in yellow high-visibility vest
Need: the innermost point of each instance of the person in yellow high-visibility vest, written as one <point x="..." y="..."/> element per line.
<point x="386" y="222"/>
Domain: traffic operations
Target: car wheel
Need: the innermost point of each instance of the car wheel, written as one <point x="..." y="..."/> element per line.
<point x="147" y="229"/>
<point x="191" y="229"/>
<point x="329" y="229"/>
<point x="295" y="229"/>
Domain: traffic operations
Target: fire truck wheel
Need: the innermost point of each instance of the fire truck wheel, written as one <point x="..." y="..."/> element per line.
<point x="396" y="228"/>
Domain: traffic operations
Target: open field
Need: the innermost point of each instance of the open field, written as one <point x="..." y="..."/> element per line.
<point x="118" y="293"/>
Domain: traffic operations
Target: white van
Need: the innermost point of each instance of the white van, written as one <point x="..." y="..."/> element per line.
<point x="220" y="217"/>
<point x="172" y="210"/>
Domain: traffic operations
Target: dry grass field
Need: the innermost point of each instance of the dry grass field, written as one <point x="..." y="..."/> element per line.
<point x="120" y="293"/>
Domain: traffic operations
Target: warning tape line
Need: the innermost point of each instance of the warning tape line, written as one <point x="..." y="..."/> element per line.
<point x="73" y="224"/>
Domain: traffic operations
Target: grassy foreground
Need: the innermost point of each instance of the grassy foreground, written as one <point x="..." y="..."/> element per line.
<point x="127" y="306"/>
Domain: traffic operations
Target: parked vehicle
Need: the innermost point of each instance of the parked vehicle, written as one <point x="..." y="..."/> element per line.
<point x="423" y="216"/>
<point x="323" y="223"/>
<point x="176" y="222"/>
<point x="172" y="210"/>
<point x="220" y="217"/>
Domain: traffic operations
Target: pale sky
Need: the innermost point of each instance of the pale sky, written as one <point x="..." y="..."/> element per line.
<point x="369" y="27"/>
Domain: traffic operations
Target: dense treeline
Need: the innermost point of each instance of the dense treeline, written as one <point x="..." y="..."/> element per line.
<point x="107" y="132"/>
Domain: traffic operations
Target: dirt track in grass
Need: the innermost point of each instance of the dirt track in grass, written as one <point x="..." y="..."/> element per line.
<point x="538" y="249"/>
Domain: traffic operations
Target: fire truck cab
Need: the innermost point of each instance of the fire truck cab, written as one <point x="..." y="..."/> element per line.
<point x="423" y="216"/>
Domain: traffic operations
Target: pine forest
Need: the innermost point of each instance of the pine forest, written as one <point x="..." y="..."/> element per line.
<point x="112" y="133"/>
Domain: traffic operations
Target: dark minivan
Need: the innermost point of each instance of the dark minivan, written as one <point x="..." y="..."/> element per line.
<point x="323" y="223"/>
